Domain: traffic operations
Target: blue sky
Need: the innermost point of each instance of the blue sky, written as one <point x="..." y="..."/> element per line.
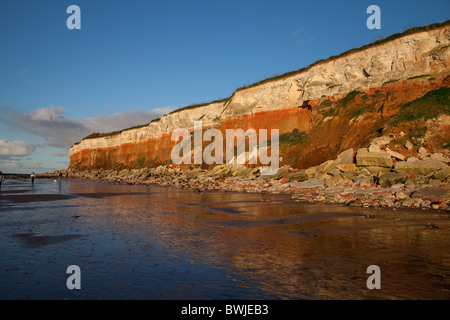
<point x="135" y="60"/>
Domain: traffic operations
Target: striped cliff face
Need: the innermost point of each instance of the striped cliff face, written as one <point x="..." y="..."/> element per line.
<point x="328" y="108"/>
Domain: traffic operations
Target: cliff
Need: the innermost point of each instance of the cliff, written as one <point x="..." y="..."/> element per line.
<point x="329" y="107"/>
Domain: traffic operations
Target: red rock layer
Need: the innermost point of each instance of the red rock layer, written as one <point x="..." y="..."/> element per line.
<point x="326" y="137"/>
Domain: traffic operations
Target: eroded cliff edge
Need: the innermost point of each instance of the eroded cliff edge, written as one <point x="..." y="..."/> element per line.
<point x="330" y="107"/>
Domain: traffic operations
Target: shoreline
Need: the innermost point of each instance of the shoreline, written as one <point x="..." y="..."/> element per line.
<point x="360" y="191"/>
<point x="246" y="231"/>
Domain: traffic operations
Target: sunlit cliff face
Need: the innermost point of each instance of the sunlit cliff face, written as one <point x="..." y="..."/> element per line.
<point x="335" y="105"/>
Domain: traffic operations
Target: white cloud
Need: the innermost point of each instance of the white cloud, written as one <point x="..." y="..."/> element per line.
<point x="9" y="164"/>
<point x="61" y="132"/>
<point x="47" y="114"/>
<point x="58" y="131"/>
<point x="15" y="148"/>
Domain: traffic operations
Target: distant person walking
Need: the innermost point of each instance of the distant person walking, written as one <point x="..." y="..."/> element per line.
<point x="60" y="177"/>
<point x="32" y="178"/>
<point x="2" y="178"/>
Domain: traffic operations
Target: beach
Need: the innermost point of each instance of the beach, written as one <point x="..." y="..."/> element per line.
<point x="358" y="189"/>
<point x="139" y="241"/>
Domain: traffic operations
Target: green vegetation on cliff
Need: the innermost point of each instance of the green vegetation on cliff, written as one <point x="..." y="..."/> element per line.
<point x="429" y="106"/>
<point x="293" y="138"/>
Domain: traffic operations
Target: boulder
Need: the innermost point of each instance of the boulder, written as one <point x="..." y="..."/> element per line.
<point x="365" y="172"/>
<point x="439" y="157"/>
<point x="334" y="172"/>
<point x="346" y="157"/>
<point x="311" y="172"/>
<point x="331" y="167"/>
<point x="423" y="152"/>
<point x="382" y="141"/>
<point x="321" y="175"/>
<point x="277" y="176"/>
<point x="364" y="158"/>
<point x="395" y="155"/>
<point x="322" y="168"/>
<point x="349" y="174"/>
<point x="374" y="148"/>
<point x="363" y="181"/>
<point x="346" y="167"/>
<point x="419" y="167"/>
<point x="297" y="176"/>
<point x="243" y="172"/>
<point x="391" y="178"/>
<point x="194" y="172"/>
<point x="401" y="195"/>
<point x="377" y="170"/>
<point x="434" y="182"/>
<point x="334" y="181"/>
<point x="442" y="174"/>
<point x="219" y="171"/>
<point x="409" y="145"/>
<point x="237" y="168"/>
<point x="413" y="183"/>
<point x="432" y="194"/>
<point x="399" y="185"/>
<point x="309" y="184"/>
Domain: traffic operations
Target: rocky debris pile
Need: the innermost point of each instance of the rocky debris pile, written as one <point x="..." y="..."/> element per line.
<point x="369" y="177"/>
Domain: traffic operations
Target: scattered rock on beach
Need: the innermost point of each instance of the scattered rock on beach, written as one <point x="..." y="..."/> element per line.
<point x="392" y="178"/>
<point x="419" y="167"/>
<point x="310" y="184"/>
<point x="442" y="173"/>
<point x="297" y="176"/>
<point x="432" y="194"/>
<point x="384" y="175"/>
<point x="346" y="157"/>
<point x="364" y="158"/>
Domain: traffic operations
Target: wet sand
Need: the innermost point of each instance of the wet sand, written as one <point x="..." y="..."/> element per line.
<point x="34" y="197"/>
<point x="149" y="242"/>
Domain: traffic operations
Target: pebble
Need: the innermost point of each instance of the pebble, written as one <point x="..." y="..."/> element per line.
<point x="347" y="192"/>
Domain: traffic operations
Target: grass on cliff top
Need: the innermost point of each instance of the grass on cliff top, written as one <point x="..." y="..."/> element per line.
<point x="101" y="135"/>
<point x="354" y="50"/>
<point x="429" y="106"/>
<point x="193" y="106"/>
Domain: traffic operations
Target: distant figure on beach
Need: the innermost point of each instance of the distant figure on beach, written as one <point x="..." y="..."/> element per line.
<point x="60" y="177"/>
<point x="32" y="178"/>
<point x="2" y="178"/>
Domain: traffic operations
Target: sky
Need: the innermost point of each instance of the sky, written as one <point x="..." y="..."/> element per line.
<point x="132" y="61"/>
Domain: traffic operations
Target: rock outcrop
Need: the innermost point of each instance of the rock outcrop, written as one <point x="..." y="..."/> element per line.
<point x="331" y="182"/>
<point x="328" y="108"/>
